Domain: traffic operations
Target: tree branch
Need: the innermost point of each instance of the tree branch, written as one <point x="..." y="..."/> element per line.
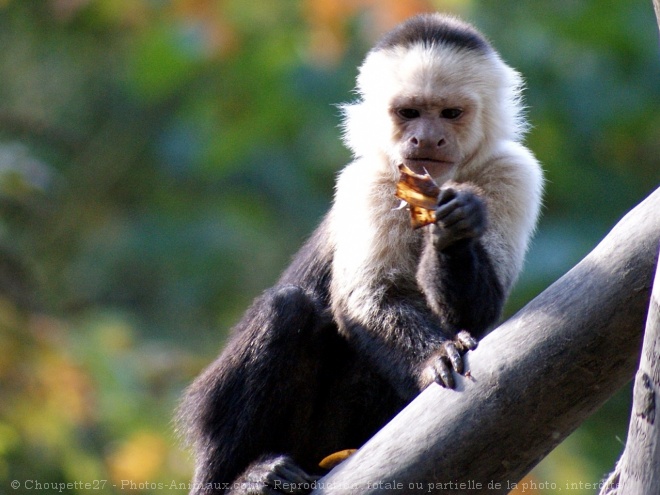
<point x="532" y="381"/>
<point x="638" y="470"/>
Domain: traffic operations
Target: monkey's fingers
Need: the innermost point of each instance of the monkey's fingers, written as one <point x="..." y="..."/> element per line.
<point x="453" y="356"/>
<point x="293" y="474"/>
<point x="450" y="213"/>
<point x="465" y="341"/>
<point x="284" y="472"/>
<point x="442" y="372"/>
<point x="447" y="194"/>
<point x="464" y="217"/>
<point x="458" y="207"/>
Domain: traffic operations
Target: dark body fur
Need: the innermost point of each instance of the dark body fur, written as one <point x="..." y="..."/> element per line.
<point x="289" y="383"/>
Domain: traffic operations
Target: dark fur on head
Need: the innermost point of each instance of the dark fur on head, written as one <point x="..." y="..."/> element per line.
<point x="431" y="29"/>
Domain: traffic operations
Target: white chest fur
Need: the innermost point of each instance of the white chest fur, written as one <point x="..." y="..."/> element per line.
<point x="374" y="243"/>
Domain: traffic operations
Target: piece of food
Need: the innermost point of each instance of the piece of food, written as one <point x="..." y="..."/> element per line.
<point x="333" y="459"/>
<point x="421" y="193"/>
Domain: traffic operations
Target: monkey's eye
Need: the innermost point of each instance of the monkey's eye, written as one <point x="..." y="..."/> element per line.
<point x="451" y="113"/>
<point x="408" y="113"/>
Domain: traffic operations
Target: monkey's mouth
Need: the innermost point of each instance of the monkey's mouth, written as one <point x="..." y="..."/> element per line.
<point x="434" y="166"/>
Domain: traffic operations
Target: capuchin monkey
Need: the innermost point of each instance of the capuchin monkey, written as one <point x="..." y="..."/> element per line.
<point x="371" y="311"/>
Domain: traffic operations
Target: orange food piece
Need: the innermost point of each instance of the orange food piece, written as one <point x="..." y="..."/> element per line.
<point x="421" y="193"/>
<point x="333" y="459"/>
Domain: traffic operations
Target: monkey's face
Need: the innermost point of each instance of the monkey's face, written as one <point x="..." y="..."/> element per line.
<point x="432" y="107"/>
<point x="433" y="134"/>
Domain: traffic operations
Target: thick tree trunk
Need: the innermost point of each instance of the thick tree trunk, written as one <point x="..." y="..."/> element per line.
<point x="638" y="470"/>
<point x="532" y="381"/>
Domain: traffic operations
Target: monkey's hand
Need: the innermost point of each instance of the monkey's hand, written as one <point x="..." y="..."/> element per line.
<point x="273" y="475"/>
<point x="438" y="368"/>
<point x="460" y="214"/>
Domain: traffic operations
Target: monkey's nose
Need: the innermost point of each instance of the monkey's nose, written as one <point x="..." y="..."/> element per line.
<point x="426" y="142"/>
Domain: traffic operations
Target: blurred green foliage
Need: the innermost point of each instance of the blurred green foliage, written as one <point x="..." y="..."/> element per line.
<point x="161" y="161"/>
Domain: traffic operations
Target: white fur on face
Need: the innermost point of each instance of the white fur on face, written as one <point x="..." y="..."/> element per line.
<point x="433" y="73"/>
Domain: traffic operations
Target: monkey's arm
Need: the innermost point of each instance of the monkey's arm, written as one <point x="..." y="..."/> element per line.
<point x="455" y="271"/>
<point x="458" y="279"/>
<point x="414" y="337"/>
<point x="396" y="336"/>
<point x="398" y="333"/>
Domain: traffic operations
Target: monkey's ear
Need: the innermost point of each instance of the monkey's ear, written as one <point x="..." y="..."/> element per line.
<point x="421" y="193"/>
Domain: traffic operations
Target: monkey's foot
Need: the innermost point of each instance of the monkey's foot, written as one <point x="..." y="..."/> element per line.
<point x="274" y="476"/>
<point x="448" y="358"/>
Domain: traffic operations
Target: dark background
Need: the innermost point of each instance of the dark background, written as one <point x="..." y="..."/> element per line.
<point x="161" y="161"/>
